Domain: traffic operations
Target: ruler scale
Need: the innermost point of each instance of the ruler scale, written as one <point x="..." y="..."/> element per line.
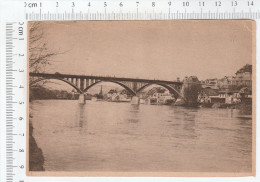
<point x="15" y="14"/>
<point x="14" y="114"/>
<point x="133" y="16"/>
<point x="9" y="104"/>
<point x="143" y="10"/>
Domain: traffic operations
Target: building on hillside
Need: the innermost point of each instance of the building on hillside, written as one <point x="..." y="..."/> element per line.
<point x="228" y="82"/>
<point x="230" y="89"/>
<point x="162" y="98"/>
<point x="209" y="95"/>
<point x="111" y="92"/>
<point x="230" y="96"/>
<point x="210" y="83"/>
<point x="244" y="76"/>
<point x="206" y="94"/>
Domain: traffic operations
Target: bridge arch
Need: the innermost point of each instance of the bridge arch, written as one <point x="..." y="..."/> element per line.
<point x="116" y="82"/>
<point x="168" y="87"/>
<point x="66" y="81"/>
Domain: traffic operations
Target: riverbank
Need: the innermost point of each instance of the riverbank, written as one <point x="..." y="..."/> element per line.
<point x="36" y="159"/>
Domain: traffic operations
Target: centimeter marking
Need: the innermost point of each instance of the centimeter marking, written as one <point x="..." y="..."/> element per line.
<point x="139" y="16"/>
<point x="9" y="102"/>
<point x="15" y="44"/>
<point x="143" y="10"/>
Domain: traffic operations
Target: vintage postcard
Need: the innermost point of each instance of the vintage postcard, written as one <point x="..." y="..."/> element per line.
<point x="141" y="98"/>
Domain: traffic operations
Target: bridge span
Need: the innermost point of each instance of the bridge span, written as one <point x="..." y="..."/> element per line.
<point x="82" y="83"/>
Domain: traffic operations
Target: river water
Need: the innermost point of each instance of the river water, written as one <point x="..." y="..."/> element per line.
<point x="107" y="136"/>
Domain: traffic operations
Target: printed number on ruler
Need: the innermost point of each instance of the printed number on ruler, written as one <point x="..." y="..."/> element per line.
<point x="147" y="9"/>
<point x="15" y="100"/>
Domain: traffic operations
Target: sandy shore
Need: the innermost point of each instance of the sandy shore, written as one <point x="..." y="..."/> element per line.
<point x="36" y="159"/>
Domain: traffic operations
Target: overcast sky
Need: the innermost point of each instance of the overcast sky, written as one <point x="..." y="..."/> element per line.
<point x="150" y="49"/>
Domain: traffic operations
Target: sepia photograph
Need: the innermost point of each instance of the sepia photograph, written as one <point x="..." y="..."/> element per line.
<point x="141" y="98"/>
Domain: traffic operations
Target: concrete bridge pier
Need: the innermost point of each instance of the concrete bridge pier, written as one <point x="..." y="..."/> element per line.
<point x="135" y="100"/>
<point x="81" y="99"/>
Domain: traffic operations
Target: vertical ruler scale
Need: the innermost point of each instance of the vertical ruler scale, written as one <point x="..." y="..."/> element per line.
<point x="9" y="102"/>
<point x="15" y="101"/>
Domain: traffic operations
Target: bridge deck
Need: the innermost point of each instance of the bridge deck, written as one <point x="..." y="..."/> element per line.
<point x="103" y="78"/>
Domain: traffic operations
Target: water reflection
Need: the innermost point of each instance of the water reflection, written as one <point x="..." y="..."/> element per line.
<point x="82" y="117"/>
<point x="134" y="113"/>
<point x="102" y="136"/>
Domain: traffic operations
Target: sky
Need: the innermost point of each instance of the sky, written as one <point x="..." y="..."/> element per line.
<point x="150" y="49"/>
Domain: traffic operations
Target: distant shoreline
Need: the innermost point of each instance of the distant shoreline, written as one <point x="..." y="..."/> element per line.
<point x="36" y="159"/>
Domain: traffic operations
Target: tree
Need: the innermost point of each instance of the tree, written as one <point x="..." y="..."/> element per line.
<point x="246" y="68"/>
<point x="191" y="90"/>
<point x="39" y="53"/>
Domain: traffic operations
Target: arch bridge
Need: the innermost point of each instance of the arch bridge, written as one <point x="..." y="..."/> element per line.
<point x="82" y="83"/>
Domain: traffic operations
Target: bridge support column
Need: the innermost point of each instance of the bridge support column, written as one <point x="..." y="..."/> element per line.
<point x="180" y="102"/>
<point x="135" y="100"/>
<point x="81" y="99"/>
